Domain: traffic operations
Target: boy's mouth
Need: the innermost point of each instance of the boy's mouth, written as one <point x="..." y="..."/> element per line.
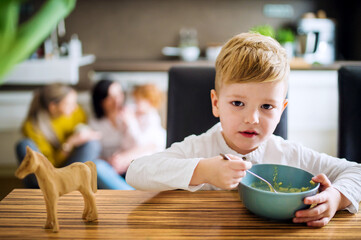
<point x="249" y="134"/>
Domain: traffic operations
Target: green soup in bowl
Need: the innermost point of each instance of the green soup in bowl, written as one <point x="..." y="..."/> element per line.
<point x="293" y="184"/>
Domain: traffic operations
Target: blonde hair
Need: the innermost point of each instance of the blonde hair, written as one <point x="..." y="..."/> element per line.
<point x="149" y="92"/>
<point x="251" y="57"/>
<point x="39" y="114"/>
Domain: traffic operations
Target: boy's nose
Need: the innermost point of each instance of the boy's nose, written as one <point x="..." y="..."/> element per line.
<point x="251" y="117"/>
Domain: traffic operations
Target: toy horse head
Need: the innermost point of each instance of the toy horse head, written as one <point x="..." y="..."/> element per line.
<point x="29" y="164"/>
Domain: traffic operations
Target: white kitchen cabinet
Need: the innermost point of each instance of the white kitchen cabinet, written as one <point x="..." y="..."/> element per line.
<point x="45" y="71"/>
<point x="313" y="109"/>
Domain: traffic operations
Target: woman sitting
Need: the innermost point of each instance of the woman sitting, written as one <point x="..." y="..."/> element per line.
<point x="128" y="132"/>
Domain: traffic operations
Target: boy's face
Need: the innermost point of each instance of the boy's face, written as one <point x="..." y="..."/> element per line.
<point x="248" y="112"/>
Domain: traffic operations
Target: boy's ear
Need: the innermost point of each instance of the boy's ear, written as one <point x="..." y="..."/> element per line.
<point x="214" y="99"/>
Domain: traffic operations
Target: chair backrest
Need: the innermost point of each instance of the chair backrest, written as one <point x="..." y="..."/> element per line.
<point x="189" y="103"/>
<point x="349" y="117"/>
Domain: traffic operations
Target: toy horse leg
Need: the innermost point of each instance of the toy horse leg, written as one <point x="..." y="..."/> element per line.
<point x="90" y="209"/>
<point x="52" y="211"/>
<point x="55" y="215"/>
<point x="48" y="223"/>
<point x="86" y="207"/>
<point x="93" y="214"/>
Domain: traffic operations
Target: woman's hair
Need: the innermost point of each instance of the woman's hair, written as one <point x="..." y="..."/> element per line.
<point x="148" y="92"/>
<point x="99" y="93"/>
<point x="39" y="114"/>
<point x="251" y="57"/>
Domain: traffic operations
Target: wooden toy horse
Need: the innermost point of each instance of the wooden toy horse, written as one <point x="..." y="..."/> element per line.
<point x="55" y="182"/>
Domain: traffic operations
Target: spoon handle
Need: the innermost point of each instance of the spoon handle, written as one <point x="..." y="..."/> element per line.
<point x="225" y="157"/>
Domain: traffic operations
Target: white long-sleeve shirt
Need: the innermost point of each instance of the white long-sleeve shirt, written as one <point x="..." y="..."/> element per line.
<point x="174" y="167"/>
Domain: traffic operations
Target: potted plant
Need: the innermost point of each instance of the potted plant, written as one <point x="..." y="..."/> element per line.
<point x="266" y="30"/>
<point x="286" y="38"/>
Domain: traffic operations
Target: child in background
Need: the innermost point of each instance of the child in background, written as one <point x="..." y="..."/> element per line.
<point x="128" y="133"/>
<point x="249" y="97"/>
<point x="56" y="127"/>
<point x="148" y="99"/>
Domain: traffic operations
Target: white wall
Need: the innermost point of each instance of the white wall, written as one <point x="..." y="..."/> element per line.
<point x="313" y="109"/>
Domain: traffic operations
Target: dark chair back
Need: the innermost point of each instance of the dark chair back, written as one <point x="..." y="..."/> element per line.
<point x="189" y="103"/>
<point x="349" y="117"/>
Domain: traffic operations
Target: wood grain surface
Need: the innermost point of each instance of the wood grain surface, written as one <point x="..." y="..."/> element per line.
<point x="158" y="215"/>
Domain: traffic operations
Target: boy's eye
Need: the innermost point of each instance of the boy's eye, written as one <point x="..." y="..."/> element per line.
<point x="237" y="103"/>
<point x="267" y="106"/>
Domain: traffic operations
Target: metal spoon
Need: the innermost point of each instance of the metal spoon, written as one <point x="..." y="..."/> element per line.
<point x="225" y="157"/>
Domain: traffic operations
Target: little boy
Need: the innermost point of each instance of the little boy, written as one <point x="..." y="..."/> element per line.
<point x="249" y="98"/>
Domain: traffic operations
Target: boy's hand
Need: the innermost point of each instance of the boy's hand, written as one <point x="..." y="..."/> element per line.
<point x="328" y="201"/>
<point x="219" y="172"/>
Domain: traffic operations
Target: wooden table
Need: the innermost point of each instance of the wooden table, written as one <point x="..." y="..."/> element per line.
<point x="163" y="215"/>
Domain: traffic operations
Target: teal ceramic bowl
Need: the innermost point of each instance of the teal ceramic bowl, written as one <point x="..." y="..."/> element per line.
<point x="277" y="206"/>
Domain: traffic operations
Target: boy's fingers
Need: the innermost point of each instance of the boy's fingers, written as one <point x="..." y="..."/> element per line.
<point x="323" y="180"/>
<point x="316" y="199"/>
<point x="240" y="165"/>
<point x="304" y="219"/>
<point x="234" y="186"/>
<point x="315" y="212"/>
<point x="239" y="175"/>
<point x="231" y="187"/>
<point x="318" y="223"/>
<point x="232" y="157"/>
<point x="312" y="222"/>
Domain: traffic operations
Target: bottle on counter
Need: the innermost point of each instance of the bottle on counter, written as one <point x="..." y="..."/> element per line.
<point x="75" y="47"/>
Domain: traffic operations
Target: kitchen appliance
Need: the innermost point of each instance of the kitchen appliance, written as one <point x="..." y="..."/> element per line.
<point x="188" y="49"/>
<point x="188" y="54"/>
<point x="316" y="38"/>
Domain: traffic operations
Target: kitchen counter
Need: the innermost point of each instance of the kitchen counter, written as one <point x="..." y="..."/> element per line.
<point x="114" y="65"/>
<point x="144" y="65"/>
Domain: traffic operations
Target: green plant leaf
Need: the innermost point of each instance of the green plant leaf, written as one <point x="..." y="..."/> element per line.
<point x="22" y="41"/>
<point x="266" y="30"/>
<point x="285" y="35"/>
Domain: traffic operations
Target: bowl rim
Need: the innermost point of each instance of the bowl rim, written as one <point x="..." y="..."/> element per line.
<point x="316" y="187"/>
